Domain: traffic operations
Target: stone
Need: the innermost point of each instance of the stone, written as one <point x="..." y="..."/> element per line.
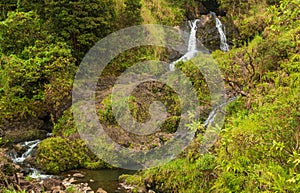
<point x="20" y="175"/>
<point x="78" y="175"/>
<point x="72" y="180"/>
<point x="50" y="183"/>
<point x="55" y="188"/>
<point x="142" y="190"/>
<point x="100" y="190"/>
<point x="91" y="180"/>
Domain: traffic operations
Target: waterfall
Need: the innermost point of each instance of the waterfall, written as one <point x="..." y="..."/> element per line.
<point x="192" y="46"/>
<point x="221" y="29"/>
<point x="30" y="145"/>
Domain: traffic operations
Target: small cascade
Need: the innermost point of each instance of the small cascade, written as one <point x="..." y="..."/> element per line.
<point x="192" y="46"/>
<point x="30" y="145"/>
<point x="36" y="174"/>
<point x="221" y="29"/>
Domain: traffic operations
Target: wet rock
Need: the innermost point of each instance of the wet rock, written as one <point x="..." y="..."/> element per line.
<point x="57" y="189"/>
<point x="66" y="183"/>
<point x="78" y="175"/>
<point x="72" y="180"/>
<point x="20" y="175"/>
<point x="100" y="190"/>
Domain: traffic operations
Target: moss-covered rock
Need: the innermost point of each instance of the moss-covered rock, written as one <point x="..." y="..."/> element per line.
<point x="58" y="154"/>
<point x="65" y="125"/>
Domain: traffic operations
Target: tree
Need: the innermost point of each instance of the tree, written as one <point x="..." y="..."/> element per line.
<point x="19" y="30"/>
<point x="79" y="23"/>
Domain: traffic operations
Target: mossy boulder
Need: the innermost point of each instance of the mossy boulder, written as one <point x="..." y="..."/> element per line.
<point x="56" y="154"/>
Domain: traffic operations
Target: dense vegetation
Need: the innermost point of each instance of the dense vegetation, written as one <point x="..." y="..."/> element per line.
<point x="258" y="150"/>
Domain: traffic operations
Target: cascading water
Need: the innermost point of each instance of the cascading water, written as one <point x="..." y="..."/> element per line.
<point x="36" y="174"/>
<point x="192" y="46"/>
<point x="29" y="146"/>
<point x="221" y="29"/>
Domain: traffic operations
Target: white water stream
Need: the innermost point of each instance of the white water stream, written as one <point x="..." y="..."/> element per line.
<point x="29" y="146"/>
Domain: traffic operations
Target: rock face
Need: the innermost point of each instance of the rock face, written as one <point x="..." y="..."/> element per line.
<point x="24" y="130"/>
<point x="203" y="8"/>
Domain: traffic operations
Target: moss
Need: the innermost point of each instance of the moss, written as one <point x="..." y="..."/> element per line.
<point x="65" y="125"/>
<point x="171" y="124"/>
<point x="56" y="154"/>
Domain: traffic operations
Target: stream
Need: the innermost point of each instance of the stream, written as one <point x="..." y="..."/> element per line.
<point x="108" y="179"/>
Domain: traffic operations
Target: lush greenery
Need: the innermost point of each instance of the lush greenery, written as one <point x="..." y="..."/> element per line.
<point x="258" y="150"/>
<point x="43" y="42"/>
<point x="41" y="46"/>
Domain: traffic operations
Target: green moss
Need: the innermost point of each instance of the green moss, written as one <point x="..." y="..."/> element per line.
<point x="57" y="154"/>
<point x="170" y="125"/>
<point x="65" y="125"/>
